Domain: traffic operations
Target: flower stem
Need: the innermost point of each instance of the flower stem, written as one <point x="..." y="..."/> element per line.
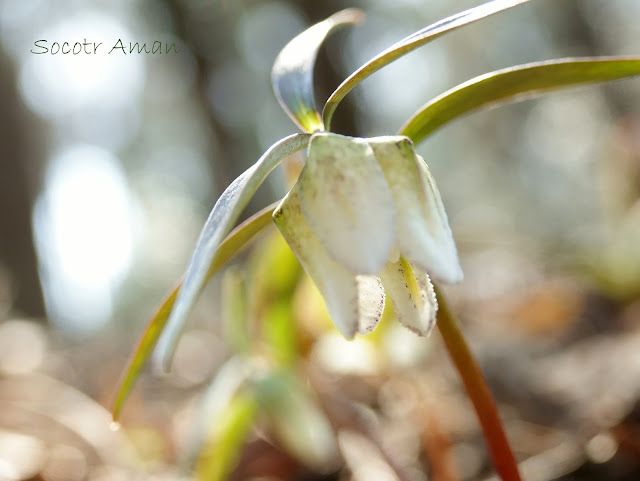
<point x="478" y="391"/>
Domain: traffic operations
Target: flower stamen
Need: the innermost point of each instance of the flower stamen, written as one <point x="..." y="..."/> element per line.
<point x="411" y="283"/>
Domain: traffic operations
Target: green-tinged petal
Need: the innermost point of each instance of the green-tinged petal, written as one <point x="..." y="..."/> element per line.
<point x="292" y="73"/>
<point x="513" y="84"/>
<point x="410" y="43"/>
<point x="346" y="201"/>
<point x="240" y="236"/>
<point x="224" y="214"/>
<point x="336" y="284"/>
<point x="340" y="288"/>
<point x="423" y="234"/>
<point x="412" y="295"/>
<point x="448" y="268"/>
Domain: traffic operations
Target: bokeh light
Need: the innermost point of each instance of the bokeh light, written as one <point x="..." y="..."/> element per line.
<point x="85" y="230"/>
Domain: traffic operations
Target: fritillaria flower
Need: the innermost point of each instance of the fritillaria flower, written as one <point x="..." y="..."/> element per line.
<point x="365" y="217"/>
<point x="365" y="213"/>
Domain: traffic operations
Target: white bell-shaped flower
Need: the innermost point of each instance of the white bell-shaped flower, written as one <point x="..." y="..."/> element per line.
<point x="366" y="213"/>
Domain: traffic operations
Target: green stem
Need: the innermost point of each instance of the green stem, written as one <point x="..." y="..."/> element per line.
<point x="478" y="391"/>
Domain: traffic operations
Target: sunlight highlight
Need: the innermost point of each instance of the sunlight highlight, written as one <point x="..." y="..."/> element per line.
<point x="85" y="236"/>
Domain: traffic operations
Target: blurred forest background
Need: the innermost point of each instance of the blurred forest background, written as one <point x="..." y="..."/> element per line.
<point x="109" y="165"/>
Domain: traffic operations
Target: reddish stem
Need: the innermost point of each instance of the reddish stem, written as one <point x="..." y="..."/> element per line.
<point x="478" y="391"/>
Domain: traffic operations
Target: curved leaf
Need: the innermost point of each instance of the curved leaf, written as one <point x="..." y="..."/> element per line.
<point x="222" y="449"/>
<point x="409" y="44"/>
<point x="224" y="214"/>
<point x="237" y="239"/>
<point x="296" y="419"/>
<point x="515" y="83"/>
<point x="292" y="73"/>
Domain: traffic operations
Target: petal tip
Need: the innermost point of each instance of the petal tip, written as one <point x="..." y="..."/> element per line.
<point x="348" y="332"/>
<point x="450" y="272"/>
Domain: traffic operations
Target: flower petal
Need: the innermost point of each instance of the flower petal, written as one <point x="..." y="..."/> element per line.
<point x="371" y="301"/>
<point x="355" y="303"/>
<point x="423" y="233"/>
<point x="346" y="201"/>
<point x="412" y="294"/>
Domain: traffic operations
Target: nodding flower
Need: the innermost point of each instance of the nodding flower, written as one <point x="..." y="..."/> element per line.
<point x="365" y="217"/>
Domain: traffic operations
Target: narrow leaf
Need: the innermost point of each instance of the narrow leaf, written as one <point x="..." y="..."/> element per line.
<point x="228" y="433"/>
<point x="513" y="84"/>
<point x="224" y="214"/>
<point x="292" y="73"/>
<point x="234" y="316"/>
<point x="409" y="44"/>
<point x="237" y="239"/>
<point x="298" y="423"/>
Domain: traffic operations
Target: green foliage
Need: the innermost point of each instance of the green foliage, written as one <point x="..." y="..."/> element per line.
<point x="231" y="246"/>
<point x="273" y="284"/>
<point x="292" y="73"/>
<point x="296" y="419"/>
<point x="227" y="434"/>
<point x="234" y="311"/>
<point x="513" y="84"/>
<point x="410" y="43"/>
<point x="222" y="218"/>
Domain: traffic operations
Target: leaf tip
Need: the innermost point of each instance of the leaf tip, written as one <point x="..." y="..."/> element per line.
<point x="354" y="16"/>
<point x="163" y="355"/>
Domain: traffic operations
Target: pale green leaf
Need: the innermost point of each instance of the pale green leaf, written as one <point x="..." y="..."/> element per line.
<point x="224" y="214"/>
<point x="279" y="330"/>
<point x="297" y="421"/>
<point x="273" y="285"/>
<point x="235" y="318"/>
<point x="512" y="84"/>
<point x="292" y="73"/>
<point x="240" y="236"/>
<point x="219" y="455"/>
<point x="409" y="44"/>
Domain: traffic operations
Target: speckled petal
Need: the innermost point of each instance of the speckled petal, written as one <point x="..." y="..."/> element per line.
<point x="346" y="201"/>
<point x="412" y="294"/>
<point x="371" y="301"/>
<point x="355" y="303"/>
<point x="423" y="234"/>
